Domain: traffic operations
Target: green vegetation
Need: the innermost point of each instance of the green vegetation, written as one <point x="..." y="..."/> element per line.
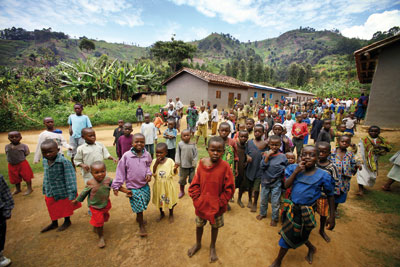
<point x="87" y="45"/>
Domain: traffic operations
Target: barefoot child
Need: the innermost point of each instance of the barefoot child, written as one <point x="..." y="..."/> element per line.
<point x="18" y="167"/>
<point x="202" y="125"/>
<point x="211" y="189"/>
<point x="164" y="192"/>
<point x="394" y="173"/>
<point x="307" y="183"/>
<point x="59" y="186"/>
<point x="371" y="147"/>
<point x="272" y="168"/>
<point x="6" y="205"/>
<point x="149" y="131"/>
<point x="186" y="160"/>
<point x="134" y="170"/>
<point x="170" y="136"/>
<point x="125" y="140"/>
<point x="324" y="150"/>
<point x="254" y="151"/>
<point x="158" y="122"/>
<point x="299" y="131"/>
<point x="241" y="180"/>
<point x="119" y="131"/>
<point x="250" y="127"/>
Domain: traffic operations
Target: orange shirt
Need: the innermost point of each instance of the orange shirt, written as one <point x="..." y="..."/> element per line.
<point x="158" y="122"/>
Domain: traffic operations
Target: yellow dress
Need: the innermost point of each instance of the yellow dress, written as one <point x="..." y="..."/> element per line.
<point x="165" y="195"/>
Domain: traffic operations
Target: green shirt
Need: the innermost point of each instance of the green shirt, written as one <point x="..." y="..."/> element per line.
<point x="99" y="193"/>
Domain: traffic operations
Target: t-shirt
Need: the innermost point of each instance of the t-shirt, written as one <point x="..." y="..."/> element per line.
<point x="253" y="170"/>
<point x="45" y="135"/>
<point x="171" y="143"/>
<point x="16" y="154"/>
<point x="349" y="123"/>
<point x="78" y="123"/>
<point x="124" y="145"/>
<point x="214" y="115"/>
<point x="139" y="111"/>
<point x="117" y="133"/>
<point x="99" y="193"/>
<point x="299" y="130"/>
<point x="274" y="169"/>
<point x="186" y="155"/>
<point x="149" y="131"/>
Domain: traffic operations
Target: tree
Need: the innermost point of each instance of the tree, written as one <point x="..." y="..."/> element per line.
<point x="266" y="75"/>
<point x="251" y="70"/>
<point x="259" y="72"/>
<point x="309" y="73"/>
<point x="301" y="79"/>
<point x="242" y="68"/>
<point x="228" y="69"/>
<point x="173" y="51"/>
<point x="235" y="68"/>
<point x="87" y="45"/>
<point x="293" y="74"/>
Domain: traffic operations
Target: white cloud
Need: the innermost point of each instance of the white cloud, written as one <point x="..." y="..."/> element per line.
<point x="375" y="22"/>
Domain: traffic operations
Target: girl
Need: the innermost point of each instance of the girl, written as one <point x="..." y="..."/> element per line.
<point x="240" y="179"/>
<point x="164" y="192"/>
<point x="394" y="174"/>
<point x="371" y="147"/>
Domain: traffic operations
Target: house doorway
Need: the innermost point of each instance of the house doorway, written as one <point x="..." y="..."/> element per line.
<point x="231" y="97"/>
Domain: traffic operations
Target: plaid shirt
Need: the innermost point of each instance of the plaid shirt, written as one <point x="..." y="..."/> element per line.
<point x="59" y="179"/>
<point x="6" y="200"/>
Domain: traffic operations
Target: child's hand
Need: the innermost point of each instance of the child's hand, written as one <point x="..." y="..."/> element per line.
<point x="129" y="194"/>
<point x="85" y="167"/>
<point x="115" y="192"/>
<point x="249" y="159"/>
<point x="330" y="223"/>
<point x="176" y="169"/>
<point x="359" y="166"/>
<point x="148" y="178"/>
<point x="74" y="202"/>
<point x="300" y="167"/>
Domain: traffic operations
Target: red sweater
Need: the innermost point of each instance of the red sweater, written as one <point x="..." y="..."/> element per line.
<point x="299" y="130"/>
<point x="211" y="189"/>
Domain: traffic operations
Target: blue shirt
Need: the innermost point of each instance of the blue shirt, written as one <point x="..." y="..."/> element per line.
<point x="171" y="143"/>
<point x="274" y="169"/>
<point x="78" y="123"/>
<point x="307" y="189"/>
<point x="340" y="108"/>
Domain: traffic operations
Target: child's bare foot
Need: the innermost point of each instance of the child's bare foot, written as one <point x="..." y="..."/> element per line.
<point x="310" y="255"/>
<point x="142" y="231"/>
<point x="276" y="263"/>
<point x="64" y="226"/>
<point x="253" y="207"/>
<point x="193" y="250"/>
<point x="171" y="218"/>
<point x="49" y="227"/>
<point x="360" y="193"/>
<point x="101" y="243"/>
<point x="250" y="204"/>
<point x="240" y="203"/>
<point x="162" y="215"/>
<point x="232" y="200"/>
<point x="28" y="192"/>
<point x="273" y="223"/>
<point x="16" y="192"/>
<point x="213" y="254"/>
<point x="144" y="222"/>
<point x="385" y="188"/>
<point x="260" y="217"/>
<point x="325" y="236"/>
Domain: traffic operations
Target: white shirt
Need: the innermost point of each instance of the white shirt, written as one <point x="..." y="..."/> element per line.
<point x="45" y="135"/>
<point x="203" y="117"/>
<point x="214" y="115"/>
<point x="349" y="122"/>
<point x="349" y="103"/>
<point x="288" y="124"/>
<point x="231" y="126"/>
<point x="170" y="103"/>
<point x="150" y="132"/>
<point x="179" y="105"/>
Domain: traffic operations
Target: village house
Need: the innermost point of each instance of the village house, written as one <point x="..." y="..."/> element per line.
<point x="298" y="95"/>
<point x="379" y="64"/>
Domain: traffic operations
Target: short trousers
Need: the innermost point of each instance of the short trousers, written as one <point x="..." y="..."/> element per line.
<point x="323" y="206"/>
<point x="75" y="142"/>
<point x="349" y="131"/>
<point x="201" y="130"/>
<point x="171" y="153"/>
<point x="60" y="208"/>
<point x="192" y="129"/>
<point x="100" y="216"/>
<point x="219" y="222"/>
<point x="139" y="118"/>
<point x="184" y="173"/>
<point x="255" y="185"/>
<point x="19" y="172"/>
<point x="150" y="149"/>
<point x="214" y="127"/>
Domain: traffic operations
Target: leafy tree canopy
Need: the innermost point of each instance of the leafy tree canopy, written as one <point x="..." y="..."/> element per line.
<point x="87" y="45"/>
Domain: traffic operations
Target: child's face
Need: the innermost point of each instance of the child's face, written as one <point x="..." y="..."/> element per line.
<point x="171" y="125"/>
<point x="327" y="125"/>
<point x="202" y="108"/>
<point x="243" y="137"/>
<point x="161" y="153"/>
<point x="192" y="103"/>
<point x="344" y="142"/>
<point x="50" y="152"/>
<point x="291" y="158"/>
<point x="78" y="110"/>
<point x="232" y="117"/>
<point x="304" y="116"/>
<point x="342" y="127"/>
<point x="120" y="123"/>
<point x="14" y="137"/>
<point x="249" y="125"/>
<point x="146" y="119"/>
<point x="49" y="123"/>
<point x="299" y="118"/>
<point x="288" y="117"/>
<point x="373" y="132"/>
<point x="242" y="127"/>
<point x="98" y="172"/>
<point x="262" y="116"/>
<point x="127" y="130"/>
<point x="309" y="156"/>
<point x="274" y="145"/>
<point x="277" y="130"/>
<point x="258" y="132"/>
<point x="224" y="131"/>
<point x="324" y="153"/>
<point x="138" y="143"/>
<point x="89" y="136"/>
<point x="215" y="151"/>
<point x="185" y="136"/>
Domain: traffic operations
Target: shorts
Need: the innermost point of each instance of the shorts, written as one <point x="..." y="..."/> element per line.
<point x="139" y="118"/>
<point x="214" y="127"/>
<point x="323" y="206"/>
<point x="192" y="129"/>
<point x="184" y="173"/>
<point x="219" y="222"/>
<point x="255" y="185"/>
<point x="150" y="149"/>
<point x="100" y="216"/>
<point x="201" y="130"/>
<point x="349" y="131"/>
<point x="60" y="208"/>
<point x="75" y="142"/>
<point x="19" y="172"/>
<point x="171" y="153"/>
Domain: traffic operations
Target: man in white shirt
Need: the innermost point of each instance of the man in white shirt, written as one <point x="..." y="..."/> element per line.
<point x="214" y="120"/>
<point x="202" y="125"/>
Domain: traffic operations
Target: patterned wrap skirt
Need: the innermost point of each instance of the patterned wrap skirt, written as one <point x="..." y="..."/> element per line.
<point x="140" y="198"/>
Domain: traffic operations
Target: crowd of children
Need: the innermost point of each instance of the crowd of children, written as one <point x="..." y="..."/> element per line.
<point x="255" y="157"/>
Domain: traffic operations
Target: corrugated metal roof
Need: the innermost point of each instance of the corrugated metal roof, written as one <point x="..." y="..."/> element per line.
<point x="267" y="88"/>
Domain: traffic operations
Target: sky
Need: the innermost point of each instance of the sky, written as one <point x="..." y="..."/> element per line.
<point x="147" y="21"/>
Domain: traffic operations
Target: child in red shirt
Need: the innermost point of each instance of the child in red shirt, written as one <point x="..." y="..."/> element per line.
<point x="211" y="189"/>
<point x="299" y="131"/>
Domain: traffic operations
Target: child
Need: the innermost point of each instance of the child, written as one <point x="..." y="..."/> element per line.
<point x="49" y="134"/>
<point x="264" y="123"/>
<point x="117" y="133"/>
<point x="231" y="122"/>
<point x="202" y="125"/>
<point x="241" y="180"/>
<point x="139" y="115"/>
<point x="326" y="133"/>
<point x="98" y="192"/>
<point x="249" y="127"/>
<point x="291" y="157"/>
<point x="371" y="147"/>
<point x="316" y="127"/>
<point x="307" y="121"/>
<point x="6" y="205"/>
<point x="158" y="122"/>
<point x="339" y="117"/>
<point x="134" y="170"/>
<point x="164" y="192"/>
<point x="279" y="130"/>
<point x="90" y="152"/>
<point x="170" y="136"/>
<point x="254" y="151"/>
<point x="350" y="123"/>
<point x="272" y="167"/>
<point x="307" y="183"/>
<point x="288" y="124"/>
<point x="214" y="120"/>
<point x="241" y="127"/>
<point x="186" y="160"/>
<point x="149" y="130"/>
<point x="77" y="122"/>
<point x="324" y="150"/>
<point x="125" y="141"/>
<point x="394" y="173"/>
<point x="299" y="131"/>
<point x="192" y="117"/>
<point x="18" y="167"/>
<point x="59" y="186"/>
<point x="211" y="189"/>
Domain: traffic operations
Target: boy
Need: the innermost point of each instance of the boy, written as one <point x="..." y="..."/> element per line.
<point x="6" y="205"/>
<point x="249" y="127"/>
<point x="202" y="125"/>
<point x="77" y="122"/>
<point x="272" y="171"/>
<point x="149" y="130"/>
<point x="191" y="118"/>
<point x="211" y="189"/>
<point x="170" y="136"/>
<point x="350" y="122"/>
<point x="299" y="131"/>
<point x="326" y="133"/>
<point x="214" y="120"/>
<point x="264" y="123"/>
<point x="125" y="141"/>
<point x="90" y="152"/>
<point x="18" y="167"/>
<point x="158" y="122"/>
<point x="240" y="179"/>
<point x="117" y="133"/>
<point x="307" y="183"/>
<point x="139" y="115"/>
<point x="186" y="159"/>
<point x="59" y="186"/>
<point x="49" y="134"/>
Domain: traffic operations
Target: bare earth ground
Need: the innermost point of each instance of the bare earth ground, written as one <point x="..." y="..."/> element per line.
<point x="243" y="241"/>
